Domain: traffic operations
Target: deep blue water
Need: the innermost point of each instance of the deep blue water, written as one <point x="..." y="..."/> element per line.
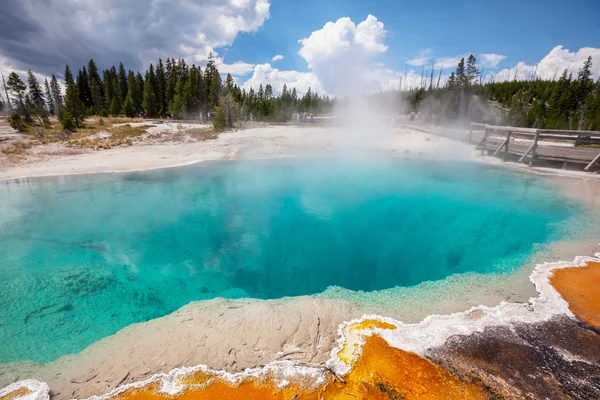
<point x="84" y="256"/>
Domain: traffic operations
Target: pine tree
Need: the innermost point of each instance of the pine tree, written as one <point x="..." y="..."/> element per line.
<point x="96" y="86"/>
<point x="128" y="108"/>
<point x="583" y="89"/>
<point x="201" y="94"/>
<point x="74" y="107"/>
<point x="35" y="92"/>
<point x="57" y="97"/>
<point x="229" y="84"/>
<point x="190" y="92"/>
<point x="461" y="73"/>
<point x="452" y="81"/>
<point x="177" y="106"/>
<point x="48" y="97"/>
<point x="170" y="81"/>
<point x="472" y="72"/>
<point x="161" y="86"/>
<point x="17" y="88"/>
<point x="212" y="81"/>
<point x="110" y="89"/>
<point x="139" y="93"/>
<point x="93" y="74"/>
<point x="149" y="102"/>
<point x="122" y="79"/>
<point x="83" y="87"/>
<point x="97" y="96"/>
<point x="68" y="75"/>
<point x="115" y="106"/>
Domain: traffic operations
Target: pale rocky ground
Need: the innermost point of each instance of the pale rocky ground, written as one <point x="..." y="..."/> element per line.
<point x="237" y="334"/>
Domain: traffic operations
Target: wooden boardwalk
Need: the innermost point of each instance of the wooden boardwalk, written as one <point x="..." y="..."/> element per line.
<point x="536" y="146"/>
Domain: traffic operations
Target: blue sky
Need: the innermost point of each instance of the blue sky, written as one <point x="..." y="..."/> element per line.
<point x="521" y="30"/>
<point x="352" y="41"/>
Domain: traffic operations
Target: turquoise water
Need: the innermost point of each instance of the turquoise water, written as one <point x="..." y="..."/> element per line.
<point x="84" y="256"/>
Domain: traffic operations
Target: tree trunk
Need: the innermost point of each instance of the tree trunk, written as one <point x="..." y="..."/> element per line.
<point x="6" y="91"/>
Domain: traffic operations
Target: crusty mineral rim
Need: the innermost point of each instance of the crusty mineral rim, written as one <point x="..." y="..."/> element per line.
<point x="28" y="389"/>
<point x="432" y="332"/>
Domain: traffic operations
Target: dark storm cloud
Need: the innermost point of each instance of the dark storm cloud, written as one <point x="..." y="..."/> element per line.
<point x="44" y="35"/>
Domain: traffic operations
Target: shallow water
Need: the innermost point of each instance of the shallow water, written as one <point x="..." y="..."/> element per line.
<point x="84" y="256"/>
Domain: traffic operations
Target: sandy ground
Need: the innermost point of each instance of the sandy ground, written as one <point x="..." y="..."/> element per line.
<point x="237" y="334"/>
<point x="250" y="143"/>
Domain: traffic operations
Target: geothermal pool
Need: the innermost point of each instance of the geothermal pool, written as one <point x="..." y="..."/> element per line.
<point x="84" y="256"/>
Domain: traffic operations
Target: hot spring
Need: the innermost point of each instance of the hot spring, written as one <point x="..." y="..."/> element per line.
<point x="84" y="256"/>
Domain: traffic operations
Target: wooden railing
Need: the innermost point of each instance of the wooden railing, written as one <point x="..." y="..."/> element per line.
<point x="535" y="135"/>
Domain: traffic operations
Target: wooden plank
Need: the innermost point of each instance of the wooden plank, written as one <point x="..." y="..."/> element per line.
<point x="505" y="156"/>
<point x="533" y="148"/>
<point x="504" y="144"/>
<point x="510" y="128"/>
<point x="527" y="153"/>
<point x="480" y="144"/>
<point x="569" y="133"/>
<point x="594" y="161"/>
<point x="478" y="125"/>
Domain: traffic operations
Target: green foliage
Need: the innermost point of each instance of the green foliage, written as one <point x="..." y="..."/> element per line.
<point x="128" y="108"/>
<point x="149" y="102"/>
<point x="17" y="88"/>
<point x="115" y="106"/>
<point x="67" y="123"/>
<point x="74" y="107"/>
<point x="219" y="122"/>
<point x="565" y="103"/>
<point x="103" y="113"/>
<point x="17" y="123"/>
<point x="35" y="91"/>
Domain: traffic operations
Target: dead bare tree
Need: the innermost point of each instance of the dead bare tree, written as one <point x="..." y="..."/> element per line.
<point x="6" y="91"/>
<point x="431" y="79"/>
<point x="440" y="76"/>
<point x="228" y="104"/>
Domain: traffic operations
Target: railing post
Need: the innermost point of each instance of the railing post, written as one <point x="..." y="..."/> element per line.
<point x="535" y="143"/>
<point x="505" y="156"/>
<point x="484" y="141"/>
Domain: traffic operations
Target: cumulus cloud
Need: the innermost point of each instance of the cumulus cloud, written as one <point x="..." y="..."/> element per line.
<point x="448" y="62"/>
<point x="491" y="60"/>
<point x="265" y="74"/>
<point x="422" y="58"/>
<point x="339" y="54"/>
<point x="46" y="35"/>
<point x="552" y="65"/>
<point x="239" y="68"/>
<point x="277" y="58"/>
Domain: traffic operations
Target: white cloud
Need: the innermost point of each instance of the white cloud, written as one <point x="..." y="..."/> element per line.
<point x="422" y="58"/>
<point x="448" y="62"/>
<point x="491" y="60"/>
<point x="277" y="58"/>
<point x="39" y="34"/>
<point x="238" y="68"/>
<point x="341" y="52"/>
<point x="343" y="38"/>
<point x="340" y="57"/>
<point x="552" y="65"/>
<point x="265" y="74"/>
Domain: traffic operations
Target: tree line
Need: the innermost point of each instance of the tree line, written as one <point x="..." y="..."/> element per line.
<point x="171" y="88"/>
<point x="571" y="102"/>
